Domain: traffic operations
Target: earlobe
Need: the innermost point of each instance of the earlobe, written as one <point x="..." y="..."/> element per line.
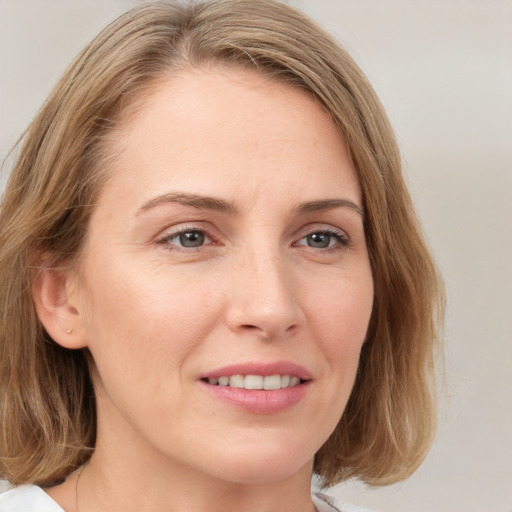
<point x="52" y="292"/>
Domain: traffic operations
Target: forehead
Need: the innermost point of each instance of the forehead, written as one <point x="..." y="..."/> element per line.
<point x="227" y="96"/>
<point x="220" y="127"/>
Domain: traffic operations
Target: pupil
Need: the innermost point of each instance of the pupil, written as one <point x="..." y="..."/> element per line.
<point x="319" y="240"/>
<point x="192" y="239"/>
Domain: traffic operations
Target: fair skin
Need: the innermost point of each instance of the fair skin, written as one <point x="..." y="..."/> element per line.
<point x="228" y="240"/>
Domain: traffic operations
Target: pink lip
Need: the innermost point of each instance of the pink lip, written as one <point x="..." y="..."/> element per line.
<point x="265" y="369"/>
<point x="259" y="401"/>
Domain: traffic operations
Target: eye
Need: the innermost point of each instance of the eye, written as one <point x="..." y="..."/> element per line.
<point x="324" y="239"/>
<point x="189" y="239"/>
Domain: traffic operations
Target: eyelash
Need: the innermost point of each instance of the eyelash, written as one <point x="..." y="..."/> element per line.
<point x="165" y="240"/>
<point x="341" y="239"/>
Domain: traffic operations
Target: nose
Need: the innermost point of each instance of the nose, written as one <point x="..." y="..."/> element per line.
<point x="264" y="299"/>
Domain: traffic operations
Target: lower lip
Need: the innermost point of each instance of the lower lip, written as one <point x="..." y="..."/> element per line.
<point x="259" y="401"/>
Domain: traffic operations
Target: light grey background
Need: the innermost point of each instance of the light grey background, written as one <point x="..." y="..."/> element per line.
<point x="444" y="72"/>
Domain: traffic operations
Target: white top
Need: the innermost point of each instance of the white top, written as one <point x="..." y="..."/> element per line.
<point x="27" y="498"/>
<point x="30" y="498"/>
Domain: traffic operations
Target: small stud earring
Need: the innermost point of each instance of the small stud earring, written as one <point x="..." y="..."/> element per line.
<point x="70" y="330"/>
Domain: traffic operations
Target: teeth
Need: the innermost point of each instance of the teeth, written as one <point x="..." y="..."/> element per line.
<point x="253" y="382"/>
<point x="269" y="382"/>
<point x="272" y="382"/>
<point x="236" y="381"/>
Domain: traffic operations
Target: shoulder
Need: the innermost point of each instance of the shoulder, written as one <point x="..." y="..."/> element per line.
<point x="27" y="498"/>
<point x="325" y="503"/>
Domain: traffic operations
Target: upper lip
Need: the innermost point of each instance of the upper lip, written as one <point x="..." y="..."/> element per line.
<point x="260" y="368"/>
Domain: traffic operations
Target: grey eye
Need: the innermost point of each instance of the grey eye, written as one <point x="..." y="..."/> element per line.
<point x="319" y="240"/>
<point x="191" y="238"/>
<point x="324" y="239"/>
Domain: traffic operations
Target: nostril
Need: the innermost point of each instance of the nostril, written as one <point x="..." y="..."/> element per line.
<point x="260" y="331"/>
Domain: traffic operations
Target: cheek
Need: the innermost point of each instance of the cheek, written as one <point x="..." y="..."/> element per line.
<point x="143" y="330"/>
<point x="345" y="310"/>
<point x="341" y="320"/>
<point x="143" y="320"/>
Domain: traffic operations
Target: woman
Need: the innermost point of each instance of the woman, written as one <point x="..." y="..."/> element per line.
<point x="214" y="284"/>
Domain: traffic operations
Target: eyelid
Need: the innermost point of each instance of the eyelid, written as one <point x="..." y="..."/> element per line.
<point x="170" y="232"/>
<point x="318" y="227"/>
<point x="343" y="237"/>
<point x="173" y="231"/>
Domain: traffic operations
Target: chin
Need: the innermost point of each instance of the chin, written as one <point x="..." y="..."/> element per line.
<point x="263" y="465"/>
<point x="263" y="474"/>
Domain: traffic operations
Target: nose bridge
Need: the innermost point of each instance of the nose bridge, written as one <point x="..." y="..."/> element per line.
<point x="264" y="300"/>
<point x="269" y="276"/>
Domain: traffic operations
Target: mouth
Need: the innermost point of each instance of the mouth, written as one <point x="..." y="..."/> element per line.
<point x="256" y="382"/>
<point x="259" y="388"/>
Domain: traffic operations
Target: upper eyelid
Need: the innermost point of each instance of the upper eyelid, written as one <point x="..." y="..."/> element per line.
<point x="174" y="234"/>
<point x="210" y="230"/>
<point x="164" y="239"/>
<point x="341" y="236"/>
<point x="319" y="227"/>
<point x="182" y="227"/>
<point x="344" y="239"/>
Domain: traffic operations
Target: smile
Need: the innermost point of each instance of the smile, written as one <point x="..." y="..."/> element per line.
<point x="268" y="382"/>
<point x="259" y="387"/>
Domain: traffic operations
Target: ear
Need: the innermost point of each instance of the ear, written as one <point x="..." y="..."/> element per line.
<point x="54" y="300"/>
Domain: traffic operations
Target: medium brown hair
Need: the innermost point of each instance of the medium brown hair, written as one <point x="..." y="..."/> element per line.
<point x="47" y="405"/>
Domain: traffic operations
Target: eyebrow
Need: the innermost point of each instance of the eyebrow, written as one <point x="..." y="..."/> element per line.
<point x="328" y="204"/>
<point x="193" y="200"/>
<point x="221" y="205"/>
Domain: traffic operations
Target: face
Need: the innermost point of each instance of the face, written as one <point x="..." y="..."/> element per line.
<point x="226" y="252"/>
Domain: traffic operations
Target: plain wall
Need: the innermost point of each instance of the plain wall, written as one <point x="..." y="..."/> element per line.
<point x="443" y="70"/>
